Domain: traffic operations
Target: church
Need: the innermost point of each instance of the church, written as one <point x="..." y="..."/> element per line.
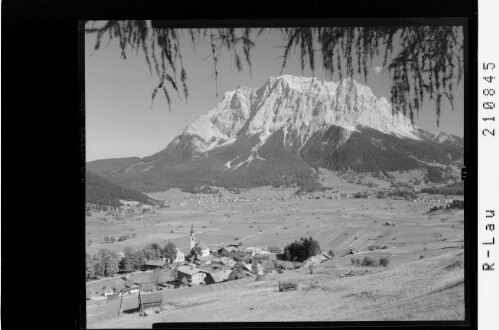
<point x="200" y="251"/>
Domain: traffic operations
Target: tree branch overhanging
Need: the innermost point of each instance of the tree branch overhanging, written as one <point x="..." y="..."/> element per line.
<point x="427" y="63"/>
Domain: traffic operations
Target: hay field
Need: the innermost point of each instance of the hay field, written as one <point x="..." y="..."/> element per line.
<point x="410" y="288"/>
<point x="260" y="217"/>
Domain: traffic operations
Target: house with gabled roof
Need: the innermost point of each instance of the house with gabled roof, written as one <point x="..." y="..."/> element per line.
<point x="192" y="275"/>
<point x="154" y="264"/>
<point x="180" y="256"/>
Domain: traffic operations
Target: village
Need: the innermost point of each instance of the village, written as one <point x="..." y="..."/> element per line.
<point x="205" y="266"/>
<point x="239" y="241"/>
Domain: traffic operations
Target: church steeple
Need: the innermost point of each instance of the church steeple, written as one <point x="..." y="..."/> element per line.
<point x="193" y="237"/>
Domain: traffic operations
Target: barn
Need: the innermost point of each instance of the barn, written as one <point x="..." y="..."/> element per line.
<point x="154" y="264"/>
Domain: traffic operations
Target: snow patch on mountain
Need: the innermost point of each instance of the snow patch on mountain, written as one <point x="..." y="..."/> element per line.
<point x="297" y="105"/>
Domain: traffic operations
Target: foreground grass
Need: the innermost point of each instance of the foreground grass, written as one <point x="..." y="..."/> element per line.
<point x="427" y="289"/>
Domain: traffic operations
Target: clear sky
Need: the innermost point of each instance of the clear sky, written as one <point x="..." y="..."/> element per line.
<point x="120" y="121"/>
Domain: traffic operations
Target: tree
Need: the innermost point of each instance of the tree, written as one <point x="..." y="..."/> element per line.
<point x="302" y="249"/>
<point x="99" y="269"/>
<point x="139" y="259"/>
<point x="109" y="261"/>
<point x="126" y="265"/>
<point x="169" y="251"/>
<point x="237" y="272"/>
<point x="156" y="276"/>
<point x="89" y="266"/>
<point x="427" y="62"/>
<point x="311" y="246"/>
<point x="152" y="251"/>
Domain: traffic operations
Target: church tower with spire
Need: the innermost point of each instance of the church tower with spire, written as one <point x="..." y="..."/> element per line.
<point x="193" y="237"/>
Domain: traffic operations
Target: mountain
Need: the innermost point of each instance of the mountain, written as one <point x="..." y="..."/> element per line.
<point x="277" y="134"/>
<point x="102" y="192"/>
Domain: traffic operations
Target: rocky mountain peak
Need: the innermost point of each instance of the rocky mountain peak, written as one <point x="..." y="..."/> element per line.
<point x="297" y="105"/>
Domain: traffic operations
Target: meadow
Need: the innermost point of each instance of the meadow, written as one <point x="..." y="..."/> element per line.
<point x="423" y="281"/>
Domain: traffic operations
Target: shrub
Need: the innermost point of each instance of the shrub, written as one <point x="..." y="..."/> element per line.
<point x="369" y="262"/>
<point x="384" y="261"/>
<point x="287" y="286"/>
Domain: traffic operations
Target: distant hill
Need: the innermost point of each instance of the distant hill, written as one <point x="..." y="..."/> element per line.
<point x="102" y="192"/>
<point x="106" y="165"/>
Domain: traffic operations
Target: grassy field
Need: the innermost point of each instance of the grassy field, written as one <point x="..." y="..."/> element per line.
<point x="423" y="289"/>
<point x="337" y="224"/>
<point x="410" y="288"/>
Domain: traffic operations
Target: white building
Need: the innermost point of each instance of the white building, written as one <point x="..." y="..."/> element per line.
<point x="180" y="256"/>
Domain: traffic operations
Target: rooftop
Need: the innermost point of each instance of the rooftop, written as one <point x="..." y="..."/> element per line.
<point x="202" y="245"/>
<point x="190" y="270"/>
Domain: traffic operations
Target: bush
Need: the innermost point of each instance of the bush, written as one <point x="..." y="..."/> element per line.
<point x="434" y="174"/>
<point x="384" y="261"/>
<point x="369" y="262"/>
<point x="287" y="286"/>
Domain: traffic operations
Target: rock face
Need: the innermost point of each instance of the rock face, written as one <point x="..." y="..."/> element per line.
<point x="299" y="107"/>
<point x="288" y="126"/>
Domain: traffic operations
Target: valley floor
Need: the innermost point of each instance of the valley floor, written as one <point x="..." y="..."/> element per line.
<point x="424" y="280"/>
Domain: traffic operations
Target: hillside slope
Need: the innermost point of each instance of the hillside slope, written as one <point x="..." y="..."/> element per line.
<point x="102" y="192"/>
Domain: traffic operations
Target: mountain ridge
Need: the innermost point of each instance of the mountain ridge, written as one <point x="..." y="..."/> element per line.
<point x="278" y="133"/>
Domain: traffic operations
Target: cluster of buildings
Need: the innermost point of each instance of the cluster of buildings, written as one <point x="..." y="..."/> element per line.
<point x="204" y="266"/>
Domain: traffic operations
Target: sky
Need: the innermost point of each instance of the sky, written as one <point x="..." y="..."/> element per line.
<point x="120" y="121"/>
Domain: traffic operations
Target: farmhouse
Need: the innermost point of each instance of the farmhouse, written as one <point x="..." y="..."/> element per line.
<point x="257" y="250"/>
<point x="148" y="278"/>
<point x="193" y="275"/>
<point x="202" y="261"/>
<point x="154" y="264"/>
<point x="274" y="250"/>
